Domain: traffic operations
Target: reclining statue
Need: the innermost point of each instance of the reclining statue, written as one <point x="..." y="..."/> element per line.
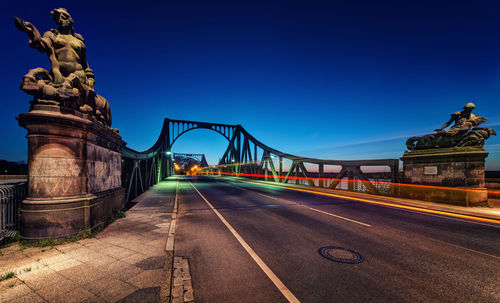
<point x="463" y="133"/>
<point x="70" y="82"/>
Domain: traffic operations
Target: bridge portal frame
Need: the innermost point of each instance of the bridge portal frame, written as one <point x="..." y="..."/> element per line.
<point x="155" y="164"/>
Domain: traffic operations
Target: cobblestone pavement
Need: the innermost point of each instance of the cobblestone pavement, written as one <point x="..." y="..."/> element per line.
<point x="124" y="263"/>
<point x="182" y="287"/>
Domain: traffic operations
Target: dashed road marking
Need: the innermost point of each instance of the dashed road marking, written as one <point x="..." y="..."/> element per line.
<point x="425" y="211"/>
<point x="311" y="208"/>
<point x="413" y="211"/>
<point x="340" y="217"/>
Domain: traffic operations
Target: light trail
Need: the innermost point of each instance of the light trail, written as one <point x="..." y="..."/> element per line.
<point x="263" y="176"/>
<point x="405" y="207"/>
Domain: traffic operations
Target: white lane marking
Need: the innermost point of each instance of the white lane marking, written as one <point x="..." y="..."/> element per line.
<point x="284" y="290"/>
<point x="465" y="248"/>
<point x="171" y="231"/>
<point x="296" y="203"/>
<point x="340" y="217"/>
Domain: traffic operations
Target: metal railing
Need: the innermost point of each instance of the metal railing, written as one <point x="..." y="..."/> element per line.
<point x="11" y="196"/>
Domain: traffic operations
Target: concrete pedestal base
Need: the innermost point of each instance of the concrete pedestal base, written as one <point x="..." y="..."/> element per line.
<point x="62" y="217"/>
<point x="74" y="173"/>
<point x="459" y="170"/>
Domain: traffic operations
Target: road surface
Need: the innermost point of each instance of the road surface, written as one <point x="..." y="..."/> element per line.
<point x="248" y="242"/>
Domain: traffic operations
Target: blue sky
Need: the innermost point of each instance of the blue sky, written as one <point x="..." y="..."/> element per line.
<point x="328" y="79"/>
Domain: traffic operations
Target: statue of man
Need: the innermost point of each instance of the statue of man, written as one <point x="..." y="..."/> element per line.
<point x="464" y="120"/>
<point x="67" y="53"/>
<point x="463" y="133"/>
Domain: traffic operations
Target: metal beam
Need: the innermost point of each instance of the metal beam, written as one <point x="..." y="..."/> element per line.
<point x="306" y="174"/>
<point x="338" y="178"/>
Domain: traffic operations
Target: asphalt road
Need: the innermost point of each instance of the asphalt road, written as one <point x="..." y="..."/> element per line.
<point x="408" y="256"/>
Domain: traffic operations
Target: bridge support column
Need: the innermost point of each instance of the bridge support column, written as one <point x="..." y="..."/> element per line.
<point x="74" y="173"/>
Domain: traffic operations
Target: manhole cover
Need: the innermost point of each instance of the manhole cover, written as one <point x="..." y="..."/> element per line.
<point x="341" y="255"/>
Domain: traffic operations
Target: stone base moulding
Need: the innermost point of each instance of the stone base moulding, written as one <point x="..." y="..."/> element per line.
<point x="74" y="172"/>
<point x="459" y="170"/>
<point x="63" y="217"/>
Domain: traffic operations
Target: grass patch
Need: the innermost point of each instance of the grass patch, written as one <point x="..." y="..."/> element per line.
<point x="119" y="214"/>
<point x="7" y="276"/>
<point x="44" y="243"/>
<point x="97" y="230"/>
<point x="487" y="205"/>
<point x="50" y="243"/>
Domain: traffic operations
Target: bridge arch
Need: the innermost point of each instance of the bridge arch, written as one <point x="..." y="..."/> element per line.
<point x="177" y="128"/>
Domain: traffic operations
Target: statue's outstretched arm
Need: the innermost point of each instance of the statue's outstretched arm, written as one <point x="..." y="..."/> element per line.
<point x="445" y="125"/>
<point x="34" y="35"/>
<point x="43" y="44"/>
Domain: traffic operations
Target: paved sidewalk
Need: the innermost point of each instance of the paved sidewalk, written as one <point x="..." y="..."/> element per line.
<point x="124" y="263"/>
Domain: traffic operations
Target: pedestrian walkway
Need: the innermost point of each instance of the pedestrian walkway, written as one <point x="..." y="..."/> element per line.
<point x="126" y="262"/>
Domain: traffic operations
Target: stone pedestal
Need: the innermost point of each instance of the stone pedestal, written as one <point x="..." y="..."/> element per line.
<point x="74" y="173"/>
<point x="448" y="175"/>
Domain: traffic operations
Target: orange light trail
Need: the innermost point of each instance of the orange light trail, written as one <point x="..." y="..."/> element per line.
<point x="414" y="208"/>
<point x="350" y="180"/>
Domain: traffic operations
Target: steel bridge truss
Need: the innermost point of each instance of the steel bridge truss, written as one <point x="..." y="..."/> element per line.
<point x="245" y="156"/>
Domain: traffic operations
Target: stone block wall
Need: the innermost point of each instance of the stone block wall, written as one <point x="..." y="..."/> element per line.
<point x="450" y="175"/>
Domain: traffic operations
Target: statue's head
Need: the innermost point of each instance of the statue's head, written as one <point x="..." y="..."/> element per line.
<point x="61" y="17"/>
<point x="469" y="106"/>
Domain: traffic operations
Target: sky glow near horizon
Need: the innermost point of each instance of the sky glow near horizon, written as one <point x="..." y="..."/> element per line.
<point x="337" y="80"/>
